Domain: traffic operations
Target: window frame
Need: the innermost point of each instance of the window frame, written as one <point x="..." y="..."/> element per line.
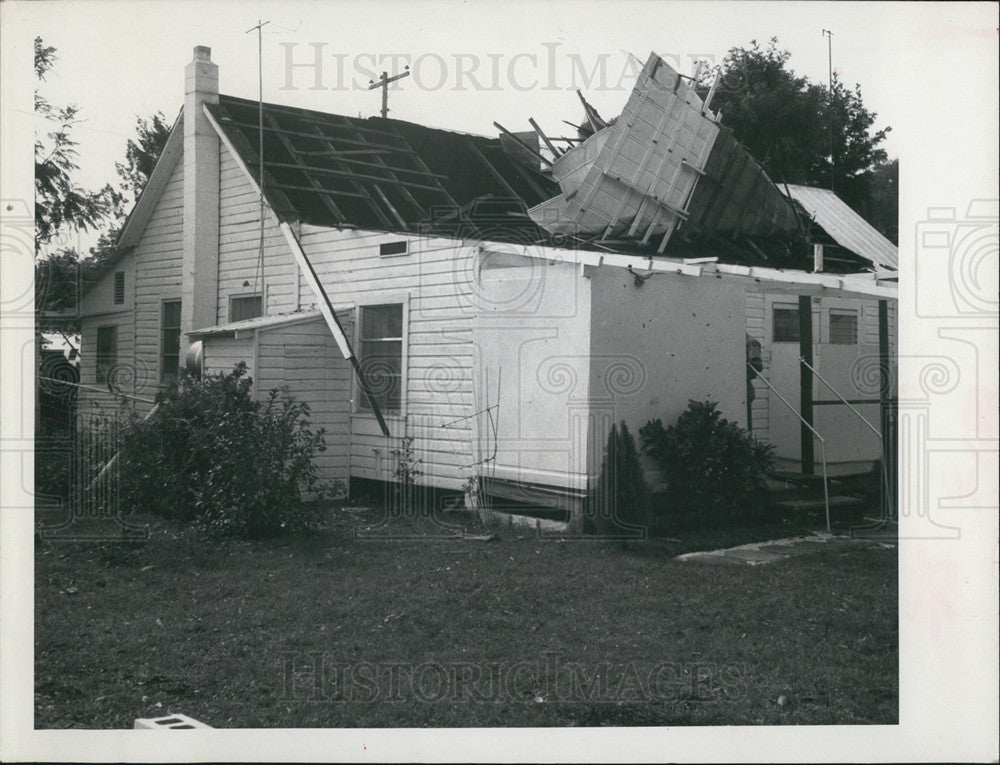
<point x="162" y="355"/>
<point x="245" y="296"/>
<point x="101" y="360"/>
<point x="846" y="312"/>
<point x="402" y="300"/>
<point x="775" y="307"/>
<point x="394" y="243"/>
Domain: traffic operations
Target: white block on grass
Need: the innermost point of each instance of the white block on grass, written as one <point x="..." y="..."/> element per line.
<point x="170" y="722"/>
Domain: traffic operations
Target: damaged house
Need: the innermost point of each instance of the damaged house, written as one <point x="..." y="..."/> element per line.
<point x="501" y="301"/>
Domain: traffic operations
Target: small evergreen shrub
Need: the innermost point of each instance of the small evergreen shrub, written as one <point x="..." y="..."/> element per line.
<point x="619" y="503"/>
<point x="212" y="455"/>
<point x="713" y="468"/>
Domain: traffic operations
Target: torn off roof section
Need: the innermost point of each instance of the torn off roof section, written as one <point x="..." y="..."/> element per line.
<point x="666" y="166"/>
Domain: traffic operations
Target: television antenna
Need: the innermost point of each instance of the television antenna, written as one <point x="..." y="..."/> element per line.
<point x="829" y="116"/>
<point x="260" y="156"/>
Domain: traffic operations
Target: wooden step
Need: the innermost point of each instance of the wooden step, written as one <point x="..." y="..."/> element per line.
<point x="799" y="479"/>
<point x="800" y="505"/>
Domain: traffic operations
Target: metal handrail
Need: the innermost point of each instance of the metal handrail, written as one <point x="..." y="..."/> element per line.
<point x="822" y="441"/>
<point x="878" y="433"/>
<point x="843" y="400"/>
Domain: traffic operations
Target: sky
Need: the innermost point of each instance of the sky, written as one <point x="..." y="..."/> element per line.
<point x="471" y="62"/>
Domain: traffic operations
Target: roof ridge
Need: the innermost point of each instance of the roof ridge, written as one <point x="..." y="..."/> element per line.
<point x="367" y="120"/>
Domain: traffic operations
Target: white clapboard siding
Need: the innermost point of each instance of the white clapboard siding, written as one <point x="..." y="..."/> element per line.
<point x="239" y="247"/>
<point x="123" y="373"/>
<point x="304" y="358"/>
<point x="158" y="265"/>
<point x="222" y="354"/>
<point x="434" y="279"/>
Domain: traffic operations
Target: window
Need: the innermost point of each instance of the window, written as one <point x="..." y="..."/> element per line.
<point x="786" y="325"/>
<point x="387" y="249"/>
<point x="119" y="287"/>
<point x="170" y="340"/>
<point x="844" y="327"/>
<point x="244" y="307"/>
<point x="107" y="351"/>
<point x="381" y="355"/>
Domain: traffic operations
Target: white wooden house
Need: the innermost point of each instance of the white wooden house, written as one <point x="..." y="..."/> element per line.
<point x="402" y="259"/>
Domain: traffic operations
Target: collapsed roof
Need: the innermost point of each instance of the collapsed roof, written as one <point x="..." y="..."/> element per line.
<point x="665" y="178"/>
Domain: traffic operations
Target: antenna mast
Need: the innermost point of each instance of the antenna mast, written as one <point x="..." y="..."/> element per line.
<point x="383" y="82"/>
<point x="829" y="117"/>
<point x="260" y="158"/>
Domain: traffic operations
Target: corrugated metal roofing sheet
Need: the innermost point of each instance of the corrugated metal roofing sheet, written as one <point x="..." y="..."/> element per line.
<point x="846" y="227"/>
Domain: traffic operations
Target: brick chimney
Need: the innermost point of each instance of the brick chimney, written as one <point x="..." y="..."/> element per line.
<point x="199" y="285"/>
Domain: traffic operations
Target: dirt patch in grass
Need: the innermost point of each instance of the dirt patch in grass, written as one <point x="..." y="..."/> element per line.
<point x="344" y="629"/>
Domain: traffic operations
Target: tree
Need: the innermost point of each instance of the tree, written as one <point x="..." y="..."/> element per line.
<point x="794" y="127"/>
<point x="61" y="204"/>
<point x="141" y="154"/>
<point x="881" y="208"/>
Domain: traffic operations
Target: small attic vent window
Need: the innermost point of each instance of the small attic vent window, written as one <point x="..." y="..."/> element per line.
<point x="388" y="249"/>
<point x="119" y="287"/>
<point x="243" y="307"/>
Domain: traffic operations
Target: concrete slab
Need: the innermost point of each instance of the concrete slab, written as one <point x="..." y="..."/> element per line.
<point x="758" y="553"/>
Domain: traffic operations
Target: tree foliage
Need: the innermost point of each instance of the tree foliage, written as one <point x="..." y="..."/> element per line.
<point x="142" y="152"/>
<point x="801" y="132"/>
<point x="62" y="205"/>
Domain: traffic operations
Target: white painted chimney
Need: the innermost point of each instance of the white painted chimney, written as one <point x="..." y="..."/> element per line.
<point x="199" y="286"/>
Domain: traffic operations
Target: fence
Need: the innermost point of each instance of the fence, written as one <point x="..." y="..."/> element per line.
<point x="78" y="431"/>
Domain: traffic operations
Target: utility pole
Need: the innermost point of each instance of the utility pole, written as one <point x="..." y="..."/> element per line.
<point x="383" y="82"/>
<point x="829" y="117"/>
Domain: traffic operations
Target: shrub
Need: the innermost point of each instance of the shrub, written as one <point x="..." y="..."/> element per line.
<point x="213" y="455"/>
<point x="713" y="467"/>
<point x="406" y="473"/>
<point x="619" y="503"/>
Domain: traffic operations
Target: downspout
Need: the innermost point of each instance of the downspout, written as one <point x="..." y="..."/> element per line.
<point x="326" y="308"/>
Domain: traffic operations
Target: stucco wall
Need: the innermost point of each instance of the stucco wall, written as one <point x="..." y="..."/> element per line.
<point x="656" y="346"/>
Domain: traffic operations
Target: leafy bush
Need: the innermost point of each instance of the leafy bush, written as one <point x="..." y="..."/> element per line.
<point x="620" y="501"/>
<point x="713" y="467"/>
<point x="211" y="454"/>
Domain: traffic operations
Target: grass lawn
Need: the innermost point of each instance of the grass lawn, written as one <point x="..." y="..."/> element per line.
<point x="340" y="630"/>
